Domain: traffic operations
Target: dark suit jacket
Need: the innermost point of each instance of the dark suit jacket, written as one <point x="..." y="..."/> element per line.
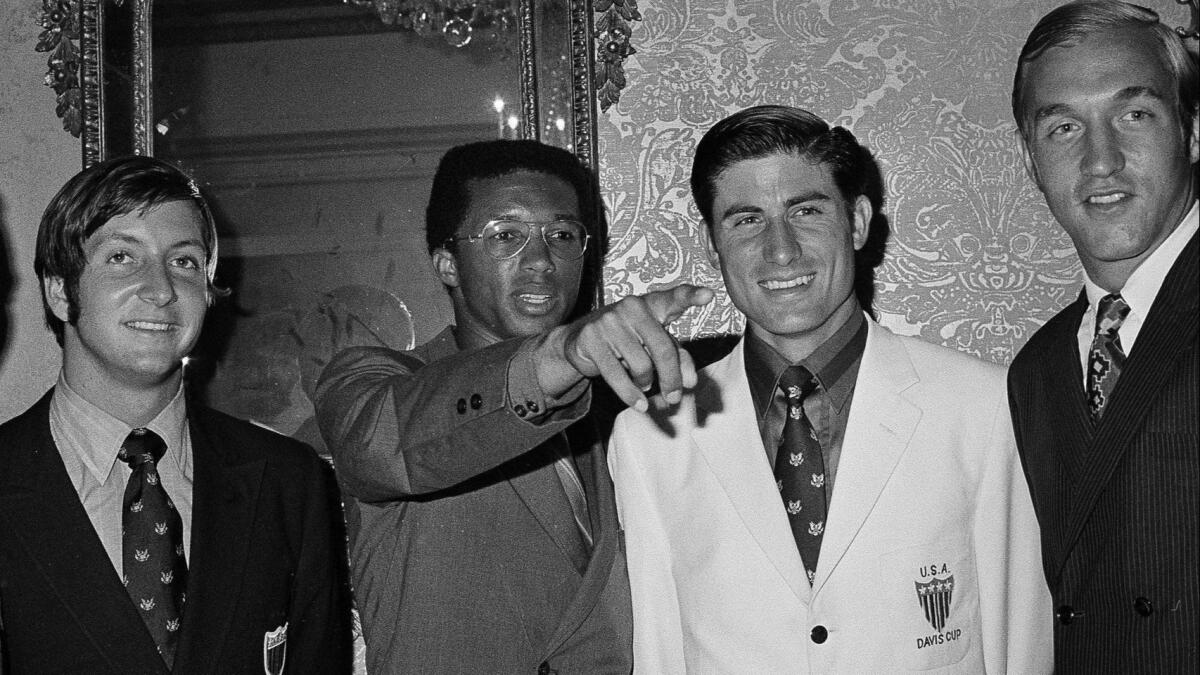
<point x="463" y="542"/>
<point x="1119" y="502"/>
<point x="266" y="550"/>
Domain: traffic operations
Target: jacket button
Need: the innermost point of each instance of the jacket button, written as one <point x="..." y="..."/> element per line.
<point x="461" y="406"/>
<point x="476" y="401"/>
<point x="1065" y="614"/>
<point x="532" y="405"/>
<point x="1143" y="606"/>
<point x="519" y="409"/>
<point x="819" y="634"/>
<point x="544" y="668"/>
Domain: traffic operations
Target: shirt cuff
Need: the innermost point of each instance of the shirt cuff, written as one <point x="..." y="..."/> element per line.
<point x="525" y="398"/>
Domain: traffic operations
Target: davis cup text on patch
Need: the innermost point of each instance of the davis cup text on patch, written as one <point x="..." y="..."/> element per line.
<point x="935" y="593"/>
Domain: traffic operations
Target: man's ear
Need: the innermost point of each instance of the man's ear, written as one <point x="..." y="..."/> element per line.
<point x="55" y="291"/>
<point x="1030" y="164"/>
<point x="1194" y="146"/>
<point x="710" y="247"/>
<point x="445" y="266"/>
<point x="863" y="213"/>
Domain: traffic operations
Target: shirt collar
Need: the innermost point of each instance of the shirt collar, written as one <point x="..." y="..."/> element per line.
<point x="1144" y="283"/>
<point x="828" y="362"/>
<point x="98" y="436"/>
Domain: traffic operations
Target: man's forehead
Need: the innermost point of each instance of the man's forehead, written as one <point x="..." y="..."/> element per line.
<point x="171" y="224"/>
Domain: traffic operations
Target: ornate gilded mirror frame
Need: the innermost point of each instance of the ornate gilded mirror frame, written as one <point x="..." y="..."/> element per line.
<point x="86" y="39"/>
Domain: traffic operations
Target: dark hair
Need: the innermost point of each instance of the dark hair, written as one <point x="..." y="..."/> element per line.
<point x="766" y="130"/>
<point x="93" y="197"/>
<point x="1070" y="23"/>
<point x="775" y="129"/>
<point x="450" y="197"/>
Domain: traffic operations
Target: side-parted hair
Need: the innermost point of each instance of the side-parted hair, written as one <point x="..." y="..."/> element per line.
<point x="767" y="130"/>
<point x="1068" y="24"/>
<point x="450" y="196"/>
<point x="93" y="197"/>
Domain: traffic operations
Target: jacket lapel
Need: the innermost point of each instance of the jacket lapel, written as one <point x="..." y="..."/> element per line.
<point x="536" y="483"/>
<point x="1169" y="333"/>
<point x="60" y="539"/>
<point x="224" y="496"/>
<point x="726" y="433"/>
<point x="881" y="425"/>
<point x="602" y="510"/>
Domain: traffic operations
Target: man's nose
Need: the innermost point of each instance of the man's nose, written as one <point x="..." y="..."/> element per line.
<point x="156" y="286"/>
<point x="536" y="254"/>
<point x="1102" y="154"/>
<point x="781" y="245"/>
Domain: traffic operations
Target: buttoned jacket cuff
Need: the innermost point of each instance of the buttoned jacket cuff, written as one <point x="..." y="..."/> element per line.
<point x="524" y="396"/>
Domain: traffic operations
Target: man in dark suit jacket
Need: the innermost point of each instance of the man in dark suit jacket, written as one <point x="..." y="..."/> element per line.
<point x="483" y="528"/>
<point x="251" y="575"/>
<point x="1104" y="396"/>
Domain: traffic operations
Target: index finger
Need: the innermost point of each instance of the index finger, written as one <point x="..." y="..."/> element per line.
<point x="667" y="305"/>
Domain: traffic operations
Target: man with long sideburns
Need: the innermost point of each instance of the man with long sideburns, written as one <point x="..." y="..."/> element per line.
<point x="141" y="532"/>
<point x="831" y="497"/>
<point x="1106" y="396"/>
<point x="484" y="532"/>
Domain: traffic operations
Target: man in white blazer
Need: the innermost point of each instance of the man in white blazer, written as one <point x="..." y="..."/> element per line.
<point x="926" y="551"/>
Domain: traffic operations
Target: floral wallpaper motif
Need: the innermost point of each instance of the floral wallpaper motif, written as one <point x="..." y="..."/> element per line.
<point x="975" y="261"/>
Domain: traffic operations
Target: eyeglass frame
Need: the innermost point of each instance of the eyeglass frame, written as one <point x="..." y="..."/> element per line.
<point x="529" y="224"/>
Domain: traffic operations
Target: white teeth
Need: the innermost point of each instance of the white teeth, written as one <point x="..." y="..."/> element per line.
<point x="1107" y="199"/>
<point x="535" y="299"/>
<point x="792" y="283"/>
<point x="147" y="325"/>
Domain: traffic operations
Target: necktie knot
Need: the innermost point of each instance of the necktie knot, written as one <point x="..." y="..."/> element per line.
<point x="797" y="383"/>
<point x="1111" y="313"/>
<point x="141" y="446"/>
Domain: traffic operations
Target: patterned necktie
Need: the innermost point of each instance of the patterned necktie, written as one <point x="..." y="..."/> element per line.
<point x="152" y="543"/>
<point x="1106" y="357"/>
<point x="800" y="469"/>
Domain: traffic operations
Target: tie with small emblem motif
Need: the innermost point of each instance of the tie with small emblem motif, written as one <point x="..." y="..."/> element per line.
<point x="800" y="469"/>
<point x="152" y="543"/>
<point x="1106" y="358"/>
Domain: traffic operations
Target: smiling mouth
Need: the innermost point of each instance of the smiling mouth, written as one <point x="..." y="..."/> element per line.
<point x="535" y="298"/>
<point x="774" y="285"/>
<point x="152" y="326"/>
<point x="1103" y="200"/>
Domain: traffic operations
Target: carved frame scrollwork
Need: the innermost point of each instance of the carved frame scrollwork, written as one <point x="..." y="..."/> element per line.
<point x="73" y="33"/>
<point x="613" y="28"/>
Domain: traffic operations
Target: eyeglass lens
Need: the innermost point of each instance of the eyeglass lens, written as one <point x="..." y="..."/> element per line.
<point x="566" y="239"/>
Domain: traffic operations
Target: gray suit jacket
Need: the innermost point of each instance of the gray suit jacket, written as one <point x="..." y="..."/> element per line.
<point x="464" y="547"/>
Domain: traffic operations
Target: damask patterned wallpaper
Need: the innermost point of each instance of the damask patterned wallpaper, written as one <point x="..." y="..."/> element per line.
<point x="975" y="261"/>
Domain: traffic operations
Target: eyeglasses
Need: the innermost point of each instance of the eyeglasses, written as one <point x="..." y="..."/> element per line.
<point x="503" y="239"/>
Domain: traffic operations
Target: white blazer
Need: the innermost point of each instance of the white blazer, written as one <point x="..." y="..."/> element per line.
<point x="929" y="501"/>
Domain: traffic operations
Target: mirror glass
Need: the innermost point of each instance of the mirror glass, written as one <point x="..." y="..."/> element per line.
<point x="314" y="128"/>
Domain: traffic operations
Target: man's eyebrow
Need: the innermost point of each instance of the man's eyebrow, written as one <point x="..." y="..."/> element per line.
<point x="810" y="196"/>
<point x="1123" y="96"/>
<point x="738" y="208"/>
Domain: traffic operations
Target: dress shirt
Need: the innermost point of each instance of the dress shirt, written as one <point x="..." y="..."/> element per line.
<point x="88" y="440"/>
<point x="1139" y="291"/>
<point x="834" y="364"/>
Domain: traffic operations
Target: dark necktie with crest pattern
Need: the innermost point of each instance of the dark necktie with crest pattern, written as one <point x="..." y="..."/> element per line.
<point x="152" y="543"/>
<point x="1106" y="358"/>
<point x="800" y="469"/>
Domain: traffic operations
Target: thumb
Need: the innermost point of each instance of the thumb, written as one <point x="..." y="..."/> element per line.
<point x="670" y="304"/>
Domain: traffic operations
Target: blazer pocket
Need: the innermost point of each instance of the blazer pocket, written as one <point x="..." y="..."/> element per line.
<point x="931" y="597"/>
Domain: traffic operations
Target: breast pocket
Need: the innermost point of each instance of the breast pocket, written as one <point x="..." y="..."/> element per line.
<point x="931" y="595"/>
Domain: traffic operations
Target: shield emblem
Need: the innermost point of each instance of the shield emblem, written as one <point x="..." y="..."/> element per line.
<point x="935" y="597"/>
<point x="275" y="650"/>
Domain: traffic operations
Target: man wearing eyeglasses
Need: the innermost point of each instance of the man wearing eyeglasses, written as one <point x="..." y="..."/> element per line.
<point x="483" y="528"/>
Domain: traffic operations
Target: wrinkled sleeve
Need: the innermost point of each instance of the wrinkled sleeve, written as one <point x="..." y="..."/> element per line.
<point x="399" y="427"/>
